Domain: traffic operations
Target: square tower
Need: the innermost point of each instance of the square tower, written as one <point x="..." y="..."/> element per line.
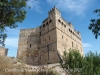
<point x="46" y="43"/>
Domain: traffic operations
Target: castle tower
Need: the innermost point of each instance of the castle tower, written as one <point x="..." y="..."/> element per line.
<point x="46" y="43"/>
<point x="48" y="52"/>
<point x="3" y="51"/>
<point x="28" y="46"/>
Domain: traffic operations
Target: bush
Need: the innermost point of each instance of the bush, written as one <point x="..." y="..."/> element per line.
<point x="8" y="63"/>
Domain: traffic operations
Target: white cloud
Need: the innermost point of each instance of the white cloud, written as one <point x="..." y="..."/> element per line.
<point x="34" y="4"/>
<point x="77" y="7"/>
<point x="11" y="42"/>
<point x="86" y="45"/>
<point x="12" y="38"/>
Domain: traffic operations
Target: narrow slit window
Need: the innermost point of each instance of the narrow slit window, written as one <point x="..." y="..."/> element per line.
<point x="45" y="39"/>
<point x="72" y="44"/>
<point x="30" y="45"/>
<point x="49" y="37"/>
<point x="62" y="37"/>
<point x="40" y="33"/>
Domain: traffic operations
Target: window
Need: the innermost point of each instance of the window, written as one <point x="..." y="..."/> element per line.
<point x="62" y="23"/>
<point x="30" y="45"/>
<point x="50" y="21"/>
<point x="40" y="33"/>
<point x="59" y="20"/>
<point x="45" y="39"/>
<point x="62" y="37"/>
<point x="49" y="37"/>
<point x="43" y="25"/>
<point x="69" y="29"/>
<point x="65" y="25"/>
<point x="47" y="23"/>
<point x="72" y="44"/>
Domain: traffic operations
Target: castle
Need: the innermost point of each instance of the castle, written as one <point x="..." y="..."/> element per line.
<point x="46" y="43"/>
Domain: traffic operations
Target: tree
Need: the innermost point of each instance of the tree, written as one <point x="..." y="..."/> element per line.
<point x="72" y="62"/>
<point x="11" y="12"/>
<point x="95" y="24"/>
<point x="91" y="64"/>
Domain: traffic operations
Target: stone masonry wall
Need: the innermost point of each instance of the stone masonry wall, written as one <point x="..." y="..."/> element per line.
<point x="46" y="43"/>
<point x="28" y="47"/>
<point x="3" y="51"/>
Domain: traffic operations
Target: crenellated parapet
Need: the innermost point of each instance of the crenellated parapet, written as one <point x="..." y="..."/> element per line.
<point x="54" y="11"/>
<point x="68" y="28"/>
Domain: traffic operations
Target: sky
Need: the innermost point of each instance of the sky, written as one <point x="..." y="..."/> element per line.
<point x="78" y="12"/>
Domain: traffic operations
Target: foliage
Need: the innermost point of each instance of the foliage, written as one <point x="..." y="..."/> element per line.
<point x="8" y="67"/>
<point x="5" y="63"/>
<point x="71" y="62"/>
<point x="91" y="64"/>
<point x="95" y="24"/>
<point x="11" y="12"/>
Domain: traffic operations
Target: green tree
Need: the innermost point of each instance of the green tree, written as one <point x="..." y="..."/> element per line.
<point x="95" y="24"/>
<point x="72" y="62"/>
<point x="91" y="64"/>
<point x="11" y="12"/>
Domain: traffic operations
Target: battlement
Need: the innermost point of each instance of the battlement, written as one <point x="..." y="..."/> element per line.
<point x="54" y="11"/>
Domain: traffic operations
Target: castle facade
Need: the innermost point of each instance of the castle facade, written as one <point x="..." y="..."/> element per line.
<point x="46" y="43"/>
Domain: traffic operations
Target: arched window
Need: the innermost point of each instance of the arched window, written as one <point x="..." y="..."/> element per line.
<point x="47" y="23"/>
<point x="71" y="31"/>
<point x="59" y="20"/>
<point x="62" y="23"/>
<point x="43" y="25"/>
<point x="50" y="21"/>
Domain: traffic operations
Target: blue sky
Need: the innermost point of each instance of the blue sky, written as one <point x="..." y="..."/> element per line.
<point x="78" y="12"/>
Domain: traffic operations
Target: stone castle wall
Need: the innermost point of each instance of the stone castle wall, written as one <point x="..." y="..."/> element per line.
<point x="3" y="51"/>
<point x="46" y="43"/>
<point x="28" y="45"/>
